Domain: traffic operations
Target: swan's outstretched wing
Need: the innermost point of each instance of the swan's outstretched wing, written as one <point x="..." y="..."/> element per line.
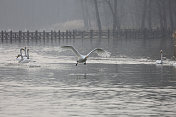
<point x="100" y="52"/>
<point x="73" y="49"/>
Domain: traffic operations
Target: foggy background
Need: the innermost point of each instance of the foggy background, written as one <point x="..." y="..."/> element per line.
<point x="129" y="82"/>
<point x="82" y="14"/>
<point x="35" y="14"/>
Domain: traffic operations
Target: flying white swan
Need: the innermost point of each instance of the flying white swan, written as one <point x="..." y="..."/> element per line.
<point x="83" y="58"/>
<point x="160" y="61"/>
<point x="23" y="59"/>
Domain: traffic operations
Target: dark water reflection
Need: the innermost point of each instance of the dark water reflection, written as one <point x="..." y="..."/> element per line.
<point x="92" y="90"/>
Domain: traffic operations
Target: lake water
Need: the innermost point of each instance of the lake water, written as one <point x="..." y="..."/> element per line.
<point x="129" y="83"/>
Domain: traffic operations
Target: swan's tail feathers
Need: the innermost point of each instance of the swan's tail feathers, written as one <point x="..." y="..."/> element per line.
<point x="71" y="48"/>
<point x="100" y="52"/>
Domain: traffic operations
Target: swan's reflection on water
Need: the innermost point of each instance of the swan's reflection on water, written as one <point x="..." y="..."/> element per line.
<point x="80" y="76"/>
<point x="95" y="89"/>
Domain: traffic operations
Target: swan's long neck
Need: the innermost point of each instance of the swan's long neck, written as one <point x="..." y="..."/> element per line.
<point x="161" y="56"/>
<point x="27" y="53"/>
<point x="21" y="53"/>
<point x="86" y="57"/>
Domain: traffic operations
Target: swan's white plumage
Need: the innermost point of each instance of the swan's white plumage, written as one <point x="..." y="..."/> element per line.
<point x="23" y="58"/>
<point x="174" y="64"/>
<point x="83" y="58"/>
<point x="161" y="58"/>
<point x="73" y="49"/>
<point x="159" y="62"/>
<point x="100" y="52"/>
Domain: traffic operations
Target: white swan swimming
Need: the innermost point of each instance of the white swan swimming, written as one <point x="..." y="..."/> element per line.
<point x="25" y="58"/>
<point x="25" y="51"/>
<point x="161" y="60"/>
<point x="20" y="55"/>
<point x="174" y="64"/>
<point x="83" y="58"/>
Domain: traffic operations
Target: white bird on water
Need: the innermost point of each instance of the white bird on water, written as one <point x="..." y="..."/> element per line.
<point x="83" y="58"/>
<point x="20" y="55"/>
<point x="160" y="61"/>
<point x="23" y="59"/>
<point x="25" y="52"/>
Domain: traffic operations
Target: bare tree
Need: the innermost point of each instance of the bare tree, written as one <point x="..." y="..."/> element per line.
<point x="144" y="15"/>
<point x="162" y="13"/>
<point x="85" y="19"/>
<point x="149" y="15"/>
<point x="171" y="15"/>
<point x="97" y="16"/>
<point x="116" y="24"/>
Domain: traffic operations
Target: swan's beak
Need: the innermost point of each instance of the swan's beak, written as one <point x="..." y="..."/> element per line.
<point x="17" y="56"/>
<point x="22" y="49"/>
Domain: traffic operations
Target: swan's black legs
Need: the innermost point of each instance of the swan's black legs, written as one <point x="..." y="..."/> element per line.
<point x="77" y="63"/>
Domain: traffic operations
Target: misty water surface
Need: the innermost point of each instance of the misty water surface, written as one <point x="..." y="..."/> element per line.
<point x="129" y="83"/>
